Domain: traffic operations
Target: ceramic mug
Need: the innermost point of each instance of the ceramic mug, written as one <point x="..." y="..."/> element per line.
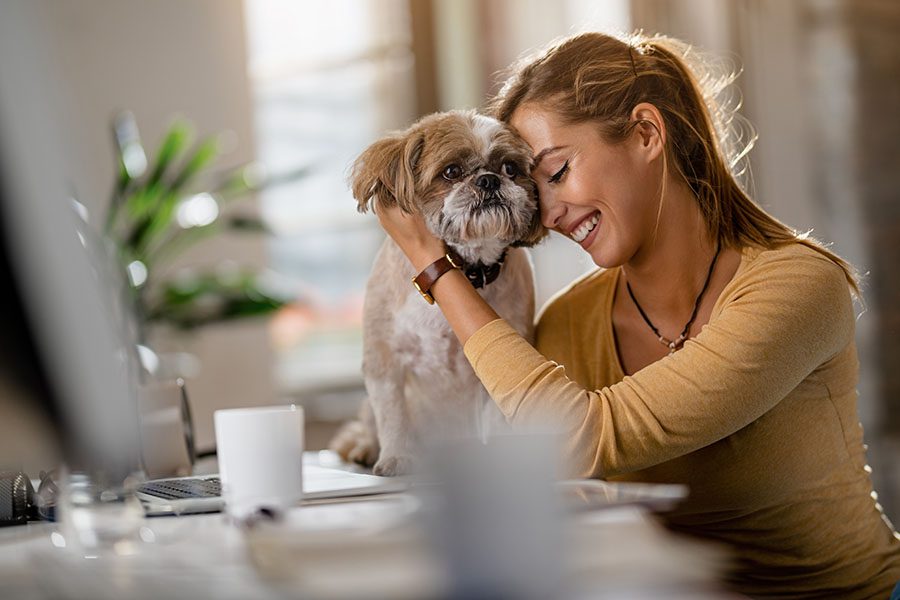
<point x="260" y="452"/>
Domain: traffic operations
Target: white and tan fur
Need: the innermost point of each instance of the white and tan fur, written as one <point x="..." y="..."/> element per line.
<point x="419" y="383"/>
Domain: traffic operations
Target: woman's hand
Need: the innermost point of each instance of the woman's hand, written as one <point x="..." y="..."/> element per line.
<point x="409" y="232"/>
<point x="463" y="308"/>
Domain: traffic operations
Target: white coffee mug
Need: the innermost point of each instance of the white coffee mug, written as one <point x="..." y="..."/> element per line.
<point x="260" y="452"/>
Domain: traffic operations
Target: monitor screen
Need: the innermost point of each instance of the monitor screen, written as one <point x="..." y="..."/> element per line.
<point x="67" y="282"/>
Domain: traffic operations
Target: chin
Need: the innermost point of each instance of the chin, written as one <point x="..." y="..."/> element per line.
<point x="607" y="255"/>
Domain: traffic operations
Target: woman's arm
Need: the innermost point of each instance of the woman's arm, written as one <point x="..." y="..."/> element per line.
<point x="783" y="318"/>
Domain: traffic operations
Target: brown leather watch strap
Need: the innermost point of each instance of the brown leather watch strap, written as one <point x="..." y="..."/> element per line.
<point x="424" y="280"/>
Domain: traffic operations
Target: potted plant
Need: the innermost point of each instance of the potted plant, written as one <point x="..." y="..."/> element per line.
<point x="160" y="208"/>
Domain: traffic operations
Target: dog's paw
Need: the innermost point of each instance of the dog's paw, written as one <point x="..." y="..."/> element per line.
<point x="354" y="442"/>
<point x="390" y="466"/>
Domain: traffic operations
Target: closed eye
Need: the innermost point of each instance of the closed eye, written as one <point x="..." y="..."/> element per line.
<point x="559" y="174"/>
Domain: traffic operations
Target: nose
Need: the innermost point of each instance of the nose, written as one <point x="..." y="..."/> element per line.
<point x="551" y="211"/>
<point x="488" y="182"/>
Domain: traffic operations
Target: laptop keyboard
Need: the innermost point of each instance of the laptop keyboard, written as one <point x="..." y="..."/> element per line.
<point x="176" y="489"/>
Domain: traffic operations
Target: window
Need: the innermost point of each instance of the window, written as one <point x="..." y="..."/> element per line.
<point x="328" y="78"/>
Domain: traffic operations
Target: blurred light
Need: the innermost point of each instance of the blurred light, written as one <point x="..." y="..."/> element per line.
<point x="137" y="273"/>
<point x="57" y="539"/>
<point x="147" y="535"/>
<point x="254" y="175"/>
<point x="149" y="358"/>
<point x="134" y="160"/>
<point x="80" y="209"/>
<point x="197" y="211"/>
<point x="128" y="139"/>
<point x="124" y="548"/>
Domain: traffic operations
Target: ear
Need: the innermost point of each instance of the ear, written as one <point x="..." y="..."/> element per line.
<point x="650" y="128"/>
<point x="385" y="173"/>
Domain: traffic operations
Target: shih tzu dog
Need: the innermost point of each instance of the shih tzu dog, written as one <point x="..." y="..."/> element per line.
<point x="467" y="175"/>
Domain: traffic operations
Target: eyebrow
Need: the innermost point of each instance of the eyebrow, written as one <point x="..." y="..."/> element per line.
<point x="540" y="155"/>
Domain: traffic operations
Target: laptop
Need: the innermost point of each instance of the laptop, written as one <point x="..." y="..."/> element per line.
<point x="203" y="493"/>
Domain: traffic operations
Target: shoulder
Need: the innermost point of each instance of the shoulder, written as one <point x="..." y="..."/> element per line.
<point x="793" y="281"/>
<point x="581" y="293"/>
<point x="796" y="265"/>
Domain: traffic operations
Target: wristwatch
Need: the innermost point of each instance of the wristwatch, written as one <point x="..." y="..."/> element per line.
<point x="424" y="281"/>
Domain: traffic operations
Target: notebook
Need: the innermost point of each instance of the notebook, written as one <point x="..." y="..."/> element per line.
<point x="203" y="493"/>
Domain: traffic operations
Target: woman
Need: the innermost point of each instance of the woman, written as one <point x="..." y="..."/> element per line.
<point x="714" y="347"/>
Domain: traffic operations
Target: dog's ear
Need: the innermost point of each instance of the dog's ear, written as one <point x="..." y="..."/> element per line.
<point x="385" y="172"/>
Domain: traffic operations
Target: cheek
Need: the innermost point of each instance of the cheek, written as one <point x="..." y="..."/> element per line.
<point x="432" y="202"/>
<point x="546" y="199"/>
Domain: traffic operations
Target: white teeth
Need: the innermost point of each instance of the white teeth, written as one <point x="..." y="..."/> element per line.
<point x="588" y="226"/>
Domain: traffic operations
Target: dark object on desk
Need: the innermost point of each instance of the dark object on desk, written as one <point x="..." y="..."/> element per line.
<point x="16" y="498"/>
<point x="20" y="503"/>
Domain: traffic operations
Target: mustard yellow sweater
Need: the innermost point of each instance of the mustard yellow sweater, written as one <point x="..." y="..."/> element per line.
<point x="756" y="414"/>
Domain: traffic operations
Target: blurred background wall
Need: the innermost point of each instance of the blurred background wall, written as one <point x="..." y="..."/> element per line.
<point x="309" y="84"/>
<point x="163" y="60"/>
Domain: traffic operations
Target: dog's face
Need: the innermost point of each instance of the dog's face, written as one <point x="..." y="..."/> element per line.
<point x="466" y="174"/>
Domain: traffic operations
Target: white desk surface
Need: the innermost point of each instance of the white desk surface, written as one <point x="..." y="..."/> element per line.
<point x="322" y="551"/>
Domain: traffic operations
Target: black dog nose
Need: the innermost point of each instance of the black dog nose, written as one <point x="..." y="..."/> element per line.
<point x="488" y="182"/>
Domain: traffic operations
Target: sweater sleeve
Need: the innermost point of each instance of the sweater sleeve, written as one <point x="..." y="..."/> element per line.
<point x="780" y="322"/>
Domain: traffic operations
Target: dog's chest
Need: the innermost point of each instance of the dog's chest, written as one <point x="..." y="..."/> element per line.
<point x="424" y="341"/>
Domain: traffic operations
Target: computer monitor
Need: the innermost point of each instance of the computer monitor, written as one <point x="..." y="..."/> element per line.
<point x="61" y="272"/>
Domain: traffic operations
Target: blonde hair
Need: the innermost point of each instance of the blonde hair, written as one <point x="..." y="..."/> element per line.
<point x="600" y="78"/>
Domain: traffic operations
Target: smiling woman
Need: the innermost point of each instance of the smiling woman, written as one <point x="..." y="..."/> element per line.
<point x="753" y="403"/>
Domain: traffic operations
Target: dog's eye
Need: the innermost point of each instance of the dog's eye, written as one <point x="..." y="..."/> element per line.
<point x="452" y="172"/>
<point x="510" y="170"/>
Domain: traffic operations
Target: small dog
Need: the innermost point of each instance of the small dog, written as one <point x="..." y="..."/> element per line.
<point x="468" y="176"/>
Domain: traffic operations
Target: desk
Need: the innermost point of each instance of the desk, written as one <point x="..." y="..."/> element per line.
<point x="332" y="550"/>
<point x="622" y="552"/>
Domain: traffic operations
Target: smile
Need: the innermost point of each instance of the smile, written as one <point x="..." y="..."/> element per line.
<point x="585" y="228"/>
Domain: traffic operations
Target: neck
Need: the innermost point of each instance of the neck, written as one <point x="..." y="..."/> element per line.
<point x="486" y="252"/>
<point x="667" y="273"/>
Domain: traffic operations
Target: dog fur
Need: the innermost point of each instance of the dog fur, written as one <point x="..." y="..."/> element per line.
<point x="419" y="383"/>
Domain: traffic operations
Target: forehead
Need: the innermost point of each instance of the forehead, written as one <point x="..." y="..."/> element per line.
<point x="473" y="136"/>
<point x="486" y="132"/>
<point x="538" y="126"/>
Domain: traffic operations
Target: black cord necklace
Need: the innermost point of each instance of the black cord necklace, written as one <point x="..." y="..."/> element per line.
<point x="678" y="342"/>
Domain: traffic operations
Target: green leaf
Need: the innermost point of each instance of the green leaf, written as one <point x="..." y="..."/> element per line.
<point x="157" y="214"/>
<point x="156" y="223"/>
<point x="176" y="140"/>
<point x="205" y="153"/>
<point x="248" y="224"/>
<point x="208" y="297"/>
<point x="179" y="241"/>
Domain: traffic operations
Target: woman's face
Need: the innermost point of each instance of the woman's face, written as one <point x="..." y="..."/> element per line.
<point x="605" y="197"/>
